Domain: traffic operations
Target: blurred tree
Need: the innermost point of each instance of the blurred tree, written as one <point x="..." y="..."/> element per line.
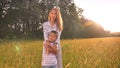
<point x="92" y="29"/>
<point x="24" y="18"/>
<point x="4" y="7"/>
<point x="70" y="14"/>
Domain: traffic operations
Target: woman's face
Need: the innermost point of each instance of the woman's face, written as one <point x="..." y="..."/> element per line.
<point x="52" y="15"/>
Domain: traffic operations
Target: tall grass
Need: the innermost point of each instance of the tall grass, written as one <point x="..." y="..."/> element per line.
<point x="20" y="54"/>
<point x="76" y="53"/>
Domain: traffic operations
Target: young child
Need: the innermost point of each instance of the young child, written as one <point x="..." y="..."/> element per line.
<point x="50" y="48"/>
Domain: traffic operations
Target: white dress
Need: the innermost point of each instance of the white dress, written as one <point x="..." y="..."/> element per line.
<point x="47" y="28"/>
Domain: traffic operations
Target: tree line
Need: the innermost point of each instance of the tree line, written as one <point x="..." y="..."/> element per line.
<point x="24" y="19"/>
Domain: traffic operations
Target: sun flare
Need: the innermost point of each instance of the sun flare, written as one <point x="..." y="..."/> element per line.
<point x="107" y="14"/>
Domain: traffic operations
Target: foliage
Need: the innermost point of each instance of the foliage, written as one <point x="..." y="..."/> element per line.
<point x="24" y="19"/>
<point x="92" y="29"/>
<point x="21" y="19"/>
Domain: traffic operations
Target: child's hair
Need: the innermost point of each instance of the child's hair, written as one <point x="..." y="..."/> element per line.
<point x="55" y="32"/>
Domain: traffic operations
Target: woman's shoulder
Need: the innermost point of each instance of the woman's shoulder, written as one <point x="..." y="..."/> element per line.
<point x="46" y="23"/>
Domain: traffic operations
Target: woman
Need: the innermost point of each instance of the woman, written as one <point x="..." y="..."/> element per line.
<point x="55" y="23"/>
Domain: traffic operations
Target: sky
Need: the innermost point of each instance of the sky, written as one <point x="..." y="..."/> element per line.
<point x="104" y="12"/>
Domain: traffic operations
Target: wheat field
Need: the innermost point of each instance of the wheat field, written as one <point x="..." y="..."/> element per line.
<point x="76" y="53"/>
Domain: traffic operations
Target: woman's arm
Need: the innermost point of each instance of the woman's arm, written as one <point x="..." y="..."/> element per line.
<point x="45" y="31"/>
<point x="58" y="38"/>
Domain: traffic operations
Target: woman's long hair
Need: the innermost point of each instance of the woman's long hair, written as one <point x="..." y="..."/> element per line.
<point x="58" y="19"/>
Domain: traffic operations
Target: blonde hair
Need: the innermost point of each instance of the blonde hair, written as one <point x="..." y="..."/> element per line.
<point x="58" y="19"/>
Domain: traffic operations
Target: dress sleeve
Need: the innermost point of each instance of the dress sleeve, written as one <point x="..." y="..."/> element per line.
<point x="45" y="31"/>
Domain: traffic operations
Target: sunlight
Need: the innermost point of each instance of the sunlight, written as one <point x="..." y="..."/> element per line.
<point x="106" y="13"/>
<point x="17" y="47"/>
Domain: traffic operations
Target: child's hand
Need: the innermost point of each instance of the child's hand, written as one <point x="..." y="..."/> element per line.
<point x="47" y="43"/>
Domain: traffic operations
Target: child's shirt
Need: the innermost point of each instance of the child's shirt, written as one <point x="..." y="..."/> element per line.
<point x="48" y="59"/>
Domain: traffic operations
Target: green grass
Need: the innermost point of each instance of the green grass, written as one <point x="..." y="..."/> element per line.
<point x="76" y="53"/>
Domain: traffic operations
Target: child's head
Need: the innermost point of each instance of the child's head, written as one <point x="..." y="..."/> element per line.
<point x="52" y="36"/>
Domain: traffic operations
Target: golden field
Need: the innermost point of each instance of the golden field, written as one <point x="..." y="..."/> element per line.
<point x="76" y="53"/>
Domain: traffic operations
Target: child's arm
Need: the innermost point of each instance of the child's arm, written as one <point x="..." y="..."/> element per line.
<point x="53" y="49"/>
<point x="46" y="47"/>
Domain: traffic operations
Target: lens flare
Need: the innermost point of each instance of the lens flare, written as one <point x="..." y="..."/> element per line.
<point x="17" y="47"/>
